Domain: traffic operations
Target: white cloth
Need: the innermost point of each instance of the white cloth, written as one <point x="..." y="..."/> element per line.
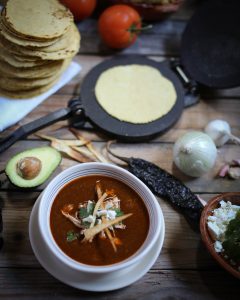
<point x="13" y="110"/>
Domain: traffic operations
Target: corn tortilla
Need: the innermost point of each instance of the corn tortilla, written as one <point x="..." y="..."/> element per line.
<point x="22" y="84"/>
<point x="12" y="37"/>
<point x="72" y="47"/>
<point x="40" y="19"/>
<point x="24" y="94"/>
<point x="13" y="61"/>
<point x="33" y="72"/>
<point x="23" y="58"/>
<point x="26" y="38"/>
<point x="135" y="93"/>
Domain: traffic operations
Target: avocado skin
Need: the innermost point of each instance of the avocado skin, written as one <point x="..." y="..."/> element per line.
<point x="49" y="157"/>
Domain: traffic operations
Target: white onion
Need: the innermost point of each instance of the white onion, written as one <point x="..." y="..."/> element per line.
<point x="220" y="132"/>
<point x="194" y="153"/>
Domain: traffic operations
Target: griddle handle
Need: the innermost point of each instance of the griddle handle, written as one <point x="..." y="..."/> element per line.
<point x="34" y="126"/>
<point x="191" y="96"/>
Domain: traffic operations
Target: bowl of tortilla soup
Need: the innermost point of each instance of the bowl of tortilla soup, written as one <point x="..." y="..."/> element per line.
<point x="98" y="218"/>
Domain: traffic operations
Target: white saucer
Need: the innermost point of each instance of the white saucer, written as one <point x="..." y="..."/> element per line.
<point x="87" y="281"/>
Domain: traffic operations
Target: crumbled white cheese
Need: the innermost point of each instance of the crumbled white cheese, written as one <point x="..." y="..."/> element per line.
<point x="101" y="212"/>
<point x="215" y="230"/>
<point x="111" y="214"/>
<point x="218" y="246"/>
<point x="89" y="219"/>
<point x="108" y="213"/>
<point x="108" y="205"/>
<point x="120" y="226"/>
<point x="219" y="220"/>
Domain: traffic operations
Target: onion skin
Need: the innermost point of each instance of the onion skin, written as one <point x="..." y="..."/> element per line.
<point x="194" y="153"/>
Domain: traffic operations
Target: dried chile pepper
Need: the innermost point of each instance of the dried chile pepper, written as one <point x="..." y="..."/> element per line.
<point x="165" y="185"/>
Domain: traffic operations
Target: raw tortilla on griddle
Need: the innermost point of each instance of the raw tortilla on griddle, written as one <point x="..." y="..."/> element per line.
<point x="135" y="93"/>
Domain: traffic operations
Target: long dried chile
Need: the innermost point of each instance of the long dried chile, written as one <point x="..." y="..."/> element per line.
<point x="165" y="185"/>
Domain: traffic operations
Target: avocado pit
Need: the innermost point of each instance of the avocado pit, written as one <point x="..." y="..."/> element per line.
<point x="29" y="167"/>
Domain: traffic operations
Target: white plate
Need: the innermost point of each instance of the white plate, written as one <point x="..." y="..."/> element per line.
<point x="87" y="281"/>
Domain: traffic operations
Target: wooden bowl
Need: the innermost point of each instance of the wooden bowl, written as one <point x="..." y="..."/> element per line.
<point x="151" y="12"/>
<point x="234" y="198"/>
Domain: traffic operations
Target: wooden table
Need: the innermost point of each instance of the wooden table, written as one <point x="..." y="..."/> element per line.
<point x="184" y="270"/>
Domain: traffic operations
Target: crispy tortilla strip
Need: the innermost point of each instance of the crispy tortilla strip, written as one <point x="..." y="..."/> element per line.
<point x="98" y="204"/>
<point x="88" y="145"/>
<point x="90" y="233"/>
<point x="76" y="222"/>
<point x="107" y="231"/>
<point x="62" y="147"/>
<point x="111" y="239"/>
<point x="67" y="142"/>
<point x="84" y="151"/>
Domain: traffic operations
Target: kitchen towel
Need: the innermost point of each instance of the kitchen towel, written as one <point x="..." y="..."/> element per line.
<point x="13" y="110"/>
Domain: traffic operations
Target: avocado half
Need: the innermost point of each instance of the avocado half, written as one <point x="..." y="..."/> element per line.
<point x="47" y="157"/>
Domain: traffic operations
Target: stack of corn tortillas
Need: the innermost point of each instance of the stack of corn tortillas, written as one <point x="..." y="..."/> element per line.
<point x="38" y="39"/>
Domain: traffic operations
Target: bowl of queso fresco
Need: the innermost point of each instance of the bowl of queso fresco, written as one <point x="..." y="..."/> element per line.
<point x="98" y="218"/>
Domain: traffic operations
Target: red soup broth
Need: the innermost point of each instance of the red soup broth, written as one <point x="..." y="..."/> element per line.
<point x="100" y="251"/>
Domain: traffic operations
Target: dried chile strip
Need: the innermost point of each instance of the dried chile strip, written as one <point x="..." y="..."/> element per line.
<point x="165" y="185"/>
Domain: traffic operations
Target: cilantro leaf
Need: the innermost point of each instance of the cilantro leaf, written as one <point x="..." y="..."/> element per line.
<point x="86" y="224"/>
<point x="119" y="213"/>
<point x="72" y="236"/>
<point x="83" y="213"/>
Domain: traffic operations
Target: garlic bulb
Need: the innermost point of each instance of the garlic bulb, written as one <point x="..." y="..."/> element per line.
<point x="220" y="132"/>
<point x="194" y="153"/>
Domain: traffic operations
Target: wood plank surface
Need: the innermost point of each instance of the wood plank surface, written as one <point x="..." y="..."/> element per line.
<point x="28" y="283"/>
<point x="158" y="153"/>
<point x="17" y="207"/>
<point x="194" y="118"/>
<point x="184" y="265"/>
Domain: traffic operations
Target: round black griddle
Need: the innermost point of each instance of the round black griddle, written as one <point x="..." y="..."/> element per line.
<point x="210" y="48"/>
<point x="125" y="130"/>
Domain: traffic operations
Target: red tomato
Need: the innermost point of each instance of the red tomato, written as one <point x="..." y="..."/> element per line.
<point x="81" y="9"/>
<point x="119" y="26"/>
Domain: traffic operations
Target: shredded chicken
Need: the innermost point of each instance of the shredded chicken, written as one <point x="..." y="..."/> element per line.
<point x="67" y="208"/>
<point x="74" y="220"/>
